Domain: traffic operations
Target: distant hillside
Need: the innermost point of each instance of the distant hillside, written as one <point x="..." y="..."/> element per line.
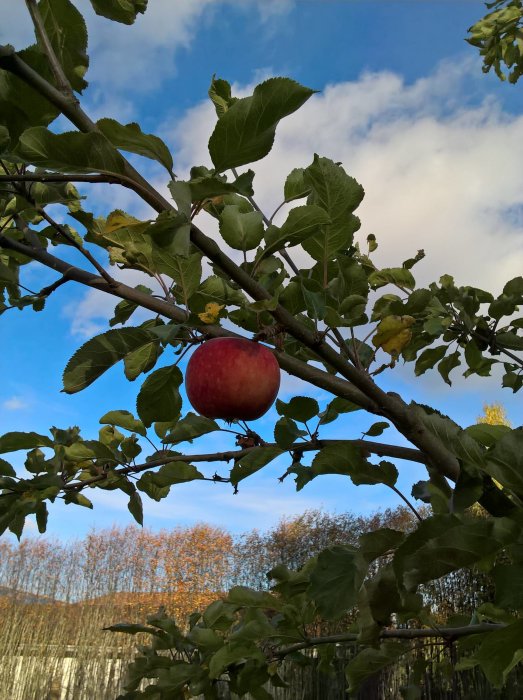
<point x="24" y="596"/>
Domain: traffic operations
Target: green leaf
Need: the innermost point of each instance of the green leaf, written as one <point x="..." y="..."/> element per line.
<point x="475" y="360"/>
<point x="447" y="365"/>
<point x="5" y="139"/>
<point x="253" y="462"/>
<point x="216" y="188"/>
<point x="378" y="542"/>
<point x="124" y="11"/>
<point x="299" y="408"/>
<point x="348" y="279"/>
<point x="77" y="498"/>
<point x="376" y="429"/>
<point x="509" y="340"/>
<point x="99" y="354"/>
<point x="70" y="152"/>
<point x="230" y="654"/>
<point x="346" y="459"/>
<point x="146" y="484"/>
<point x="175" y="473"/>
<point x="487" y="434"/>
<point x="399" y="276"/>
<point x="124" y="309"/>
<point x="131" y="138"/>
<point x="286" y="433"/>
<point x="21" y="107"/>
<point x="513" y="381"/>
<point x="11" y="442"/>
<point x="221" y="96"/>
<point x="336" y="580"/>
<point x="429" y="358"/>
<point x="143" y="359"/>
<point x="508" y="579"/>
<point x="190" y="427"/>
<point x="500" y="651"/>
<point x="370" y="661"/>
<point x="352" y="308"/>
<point x="6" y="469"/>
<point x="241" y="231"/>
<point x="445" y="543"/>
<point x="135" y="507"/>
<point x="249" y="598"/>
<point x="124" y="419"/>
<point x="216" y="289"/>
<point x="295" y="186"/>
<point x="335" y="408"/>
<point x="41" y="514"/>
<point x="245" y="132"/>
<point x="382" y="473"/>
<point x="181" y="193"/>
<point x="186" y="272"/>
<point x="170" y="233"/>
<point x="159" y="398"/>
<point x="16" y="525"/>
<point x="130" y="447"/>
<point x="205" y="638"/>
<point x="339" y="195"/>
<point x="66" y="30"/>
<point x="505" y="461"/>
<point x="301" y="223"/>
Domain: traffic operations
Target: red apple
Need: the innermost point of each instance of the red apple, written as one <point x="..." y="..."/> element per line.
<point x="232" y="378"/>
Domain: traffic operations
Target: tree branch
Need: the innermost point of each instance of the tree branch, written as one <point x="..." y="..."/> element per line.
<point x="447" y="633"/>
<point x="123" y="180"/>
<point x="381" y="449"/>
<point x="11" y="62"/>
<point x="66" y="235"/>
<point x="320" y="378"/>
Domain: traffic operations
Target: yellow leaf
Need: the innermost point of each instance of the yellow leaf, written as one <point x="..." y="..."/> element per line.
<point x="393" y="334"/>
<point x="119" y="219"/>
<point x="211" y="313"/>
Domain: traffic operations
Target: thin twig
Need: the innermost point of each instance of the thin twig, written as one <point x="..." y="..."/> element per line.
<point x="46" y="291"/>
<point x="65" y="234"/>
<point x="62" y="82"/>
<point x="406" y="501"/>
<point x="268" y="222"/>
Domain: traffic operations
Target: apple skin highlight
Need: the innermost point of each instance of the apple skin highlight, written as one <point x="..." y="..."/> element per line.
<point x="232" y="378"/>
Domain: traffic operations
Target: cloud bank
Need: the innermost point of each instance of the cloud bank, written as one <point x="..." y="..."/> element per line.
<point x="439" y="174"/>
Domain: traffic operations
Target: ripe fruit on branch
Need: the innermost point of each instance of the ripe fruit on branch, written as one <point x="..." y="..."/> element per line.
<point x="232" y="378"/>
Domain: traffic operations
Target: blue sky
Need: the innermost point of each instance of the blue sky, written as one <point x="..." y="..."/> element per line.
<point x="402" y="103"/>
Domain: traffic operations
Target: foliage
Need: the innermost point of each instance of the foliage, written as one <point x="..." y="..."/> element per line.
<point x="338" y="324"/>
<point x="499" y="37"/>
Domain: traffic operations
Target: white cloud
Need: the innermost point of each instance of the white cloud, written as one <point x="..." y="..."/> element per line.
<point x="15" y="403"/>
<point x="440" y="173"/>
<point x="261" y="502"/>
<point x="141" y="56"/>
<point x="91" y="314"/>
<point x="425" y="158"/>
